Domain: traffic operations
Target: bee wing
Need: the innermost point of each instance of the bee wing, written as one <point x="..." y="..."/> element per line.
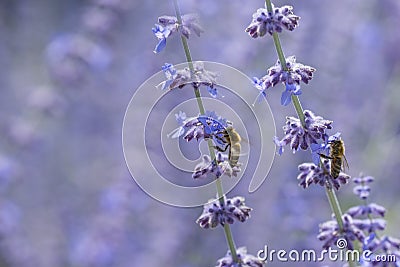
<point x="345" y="163"/>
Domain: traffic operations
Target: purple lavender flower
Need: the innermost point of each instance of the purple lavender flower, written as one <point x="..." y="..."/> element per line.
<point x="362" y="189"/>
<point x="264" y="21"/>
<point x="363" y="219"/>
<point x="384" y="246"/>
<point x="291" y="77"/>
<point x="162" y="34"/>
<point x="330" y="233"/>
<point x="311" y="173"/>
<point x="209" y="125"/>
<point x="370" y="225"/>
<point x="246" y="260"/>
<point x="370" y="209"/>
<point x="228" y="211"/>
<point x="179" y="78"/>
<point x="387" y="242"/>
<point x="216" y="167"/>
<point x="169" y="25"/>
<point x="291" y="89"/>
<point x="260" y="86"/>
<point x="302" y="137"/>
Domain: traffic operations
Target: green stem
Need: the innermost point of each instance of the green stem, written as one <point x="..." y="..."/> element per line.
<point x="299" y="109"/>
<point x="282" y="60"/>
<point x="279" y="51"/>
<point x="333" y="201"/>
<point x="220" y="191"/>
<point x="268" y="5"/>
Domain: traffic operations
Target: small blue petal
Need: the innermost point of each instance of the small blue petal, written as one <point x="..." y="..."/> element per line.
<point x="315" y="158"/>
<point x="258" y="84"/>
<point x="368" y="241"/>
<point x="180" y="117"/>
<point x="166" y="84"/>
<point x="260" y="87"/>
<point x="317" y="149"/>
<point x="297" y="91"/>
<point x="286" y="97"/>
<point x="212" y="91"/>
<point x="278" y="143"/>
<point x="203" y="120"/>
<point x="291" y="87"/>
<point x="156" y="29"/>
<point x="167" y="67"/>
<point x="220" y="122"/>
<point x="160" y="46"/>
<point x="334" y="137"/>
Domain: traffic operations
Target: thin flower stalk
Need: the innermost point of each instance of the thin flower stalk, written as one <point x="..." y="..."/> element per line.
<point x="227" y="229"/>
<point x="300" y="113"/>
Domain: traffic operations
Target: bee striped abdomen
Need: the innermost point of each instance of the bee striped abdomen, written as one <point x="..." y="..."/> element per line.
<point x="336" y="166"/>
<point x="234" y="154"/>
<point x="337" y="156"/>
<point x="234" y="140"/>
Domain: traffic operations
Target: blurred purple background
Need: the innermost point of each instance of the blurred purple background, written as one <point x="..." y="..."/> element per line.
<point x="69" y="71"/>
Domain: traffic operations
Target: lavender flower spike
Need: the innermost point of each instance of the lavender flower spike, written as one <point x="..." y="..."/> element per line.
<point x="264" y="21"/>
<point x="169" y="25"/>
<point x="362" y="188"/>
<point x="298" y="136"/>
<point x="231" y="209"/>
<point x="311" y="173"/>
<point x="294" y="74"/>
<point x="330" y="233"/>
<point x="181" y="77"/>
<point x="216" y="167"/>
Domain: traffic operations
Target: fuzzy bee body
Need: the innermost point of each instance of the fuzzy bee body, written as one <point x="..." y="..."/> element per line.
<point x="337" y="157"/>
<point x="232" y="140"/>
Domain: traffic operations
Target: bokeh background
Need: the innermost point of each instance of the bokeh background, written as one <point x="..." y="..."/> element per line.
<point x="69" y="69"/>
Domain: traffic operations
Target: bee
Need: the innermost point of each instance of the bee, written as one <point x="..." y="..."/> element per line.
<point x="231" y="139"/>
<point x="337" y="157"/>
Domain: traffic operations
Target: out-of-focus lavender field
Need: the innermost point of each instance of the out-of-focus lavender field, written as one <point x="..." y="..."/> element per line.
<point x="69" y="69"/>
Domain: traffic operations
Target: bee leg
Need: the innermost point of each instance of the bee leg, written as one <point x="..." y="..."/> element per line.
<point x="220" y="138"/>
<point x="324" y="156"/>
<point x="221" y="149"/>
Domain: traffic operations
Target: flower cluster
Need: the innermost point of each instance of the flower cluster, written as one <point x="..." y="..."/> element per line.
<point x="264" y="21"/>
<point x="207" y="126"/>
<point x="370" y="220"/>
<point x="311" y="173"/>
<point x="299" y="136"/>
<point x="221" y="212"/>
<point x="179" y="78"/>
<point x="361" y="223"/>
<point x="330" y="233"/>
<point x="362" y="188"/>
<point x="291" y="76"/>
<point x="385" y="246"/>
<point x="246" y="260"/>
<point x="204" y="126"/>
<point x="216" y="167"/>
<point x="170" y="24"/>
